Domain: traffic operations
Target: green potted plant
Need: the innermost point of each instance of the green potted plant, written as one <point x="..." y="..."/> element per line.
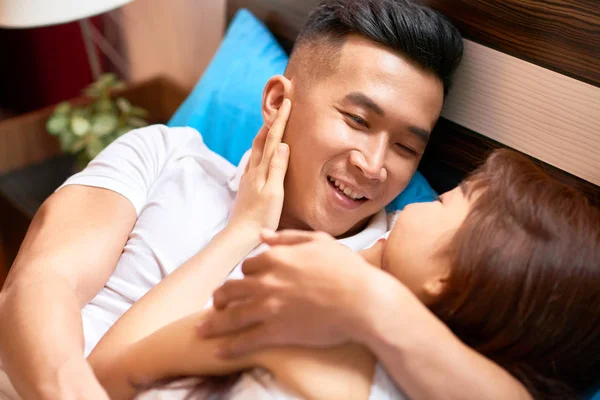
<point x="86" y="130"/>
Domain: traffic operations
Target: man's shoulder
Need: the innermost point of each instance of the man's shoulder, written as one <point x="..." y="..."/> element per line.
<point x="165" y="135"/>
<point x="171" y="142"/>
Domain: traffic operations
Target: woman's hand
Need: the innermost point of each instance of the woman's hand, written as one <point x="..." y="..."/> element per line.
<point x="260" y="196"/>
<point x="308" y="290"/>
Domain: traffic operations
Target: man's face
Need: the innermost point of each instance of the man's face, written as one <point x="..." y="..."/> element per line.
<point x="356" y="137"/>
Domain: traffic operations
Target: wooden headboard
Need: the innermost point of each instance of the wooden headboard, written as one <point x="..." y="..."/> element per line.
<point x="530" y="80"/>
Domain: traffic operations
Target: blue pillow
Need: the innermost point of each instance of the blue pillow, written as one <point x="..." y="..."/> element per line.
<point x="226" y="104"/>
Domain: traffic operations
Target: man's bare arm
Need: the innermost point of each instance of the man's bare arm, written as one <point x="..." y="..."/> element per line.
<point x="351" y="302"/>
<point x="423" y="356"/>
<point x="70" y="251"/>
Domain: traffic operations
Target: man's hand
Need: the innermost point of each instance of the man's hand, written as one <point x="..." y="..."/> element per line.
<point x="308" y="290"/>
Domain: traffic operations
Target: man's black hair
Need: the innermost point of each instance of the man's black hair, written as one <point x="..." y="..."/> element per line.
<point x="423" y="35"/>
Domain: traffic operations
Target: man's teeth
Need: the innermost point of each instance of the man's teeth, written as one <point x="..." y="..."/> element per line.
<point x="346" y="190"/>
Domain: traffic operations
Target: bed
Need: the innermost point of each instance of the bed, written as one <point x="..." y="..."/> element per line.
<point x="529" y="81"/>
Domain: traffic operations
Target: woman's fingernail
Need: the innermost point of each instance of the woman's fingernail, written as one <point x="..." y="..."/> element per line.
<point x="267" y="233"/>
<point x="283" y="149"/>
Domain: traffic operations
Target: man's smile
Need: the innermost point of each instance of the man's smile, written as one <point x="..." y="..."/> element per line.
<point x="345" y="195"/>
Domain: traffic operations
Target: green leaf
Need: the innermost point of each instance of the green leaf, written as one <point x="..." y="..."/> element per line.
<point x="124" y="105"/>
<point x="57" y="123"/>
<point x="79" y="112"/>
<point x="94" y="147"/>
<point x="104" y="105"/>
<point x="107" y="80"/>
<point x="62" y="108"/>
<point x="104" y="124"/>
<point x="123" y="130"/>
<point x="66" y="140"/>
<point x="139" y="112"/>
<point x="136" y="122"/>
<point x="119" y="85"/>
<point x="92" y="92"/>
<point x="82" y="160"/>
<point x="78" y="144"/>
<point x="80" y="125"/>
<point x="108" y="139"/>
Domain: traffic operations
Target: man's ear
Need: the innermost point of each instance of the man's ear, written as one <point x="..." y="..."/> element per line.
<point x="277" y="88"/>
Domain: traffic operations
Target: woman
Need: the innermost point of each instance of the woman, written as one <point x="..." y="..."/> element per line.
<point x="509" y="261"/>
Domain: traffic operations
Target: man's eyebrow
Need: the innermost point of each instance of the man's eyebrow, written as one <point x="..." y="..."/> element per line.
<point x="363" y="100"/>
<point x="422" y="134"/>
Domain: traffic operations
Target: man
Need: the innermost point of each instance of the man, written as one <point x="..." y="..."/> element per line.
<point x="366" y="80"/>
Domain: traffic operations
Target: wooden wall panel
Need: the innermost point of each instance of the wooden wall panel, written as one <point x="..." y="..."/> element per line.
<point x="532" y="109"/>
<point x="3" y="266"/>
<point x="454" y="151"/>
<point x="175" y="38"/>
<point x="283" y="17"/>
<point x="563" y="35"/>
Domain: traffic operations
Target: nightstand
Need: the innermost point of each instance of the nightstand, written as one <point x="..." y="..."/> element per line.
<point x="22" y="192"/>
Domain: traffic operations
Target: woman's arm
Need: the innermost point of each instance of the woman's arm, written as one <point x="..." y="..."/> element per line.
<point x="258" y="205"/>
<point x="342" y="372"/>
<point x="171" y="351"/>
<point x="181" y="293"/>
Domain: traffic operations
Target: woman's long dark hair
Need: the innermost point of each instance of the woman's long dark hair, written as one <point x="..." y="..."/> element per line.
<point x="524" y="287"/>
<point x="198" y="388"/>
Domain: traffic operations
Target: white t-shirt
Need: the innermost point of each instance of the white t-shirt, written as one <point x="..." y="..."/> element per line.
<point x="183" y="194"/>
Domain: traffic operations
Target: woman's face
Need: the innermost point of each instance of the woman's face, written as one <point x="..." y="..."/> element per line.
<point x="414" y="251"/>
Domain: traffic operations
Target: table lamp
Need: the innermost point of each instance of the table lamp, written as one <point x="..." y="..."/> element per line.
<point x="36" y="13"/>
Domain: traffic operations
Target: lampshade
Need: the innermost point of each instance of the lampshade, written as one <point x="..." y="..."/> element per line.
<point x="34" y="13"/>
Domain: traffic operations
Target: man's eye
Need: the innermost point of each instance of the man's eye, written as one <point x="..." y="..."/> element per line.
<point x="357" y="120"/>
<point x="406" y="149"/>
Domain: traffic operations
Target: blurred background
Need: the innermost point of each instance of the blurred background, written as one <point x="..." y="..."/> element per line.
<point x="42" y="66"/>
<point x="45" y="65"/>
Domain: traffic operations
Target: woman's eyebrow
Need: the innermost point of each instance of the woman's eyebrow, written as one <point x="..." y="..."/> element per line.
<point x="464" y="188"/>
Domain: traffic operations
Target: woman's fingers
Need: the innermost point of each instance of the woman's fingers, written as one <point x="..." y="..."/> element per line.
<point x="291" y="237"/>
<point x="275" y="135"/>
<point x="277" y="169"/>
<point x="258" y="144"/>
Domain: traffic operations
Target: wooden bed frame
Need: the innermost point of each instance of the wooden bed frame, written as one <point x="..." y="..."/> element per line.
<point x="529" y="81"/>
